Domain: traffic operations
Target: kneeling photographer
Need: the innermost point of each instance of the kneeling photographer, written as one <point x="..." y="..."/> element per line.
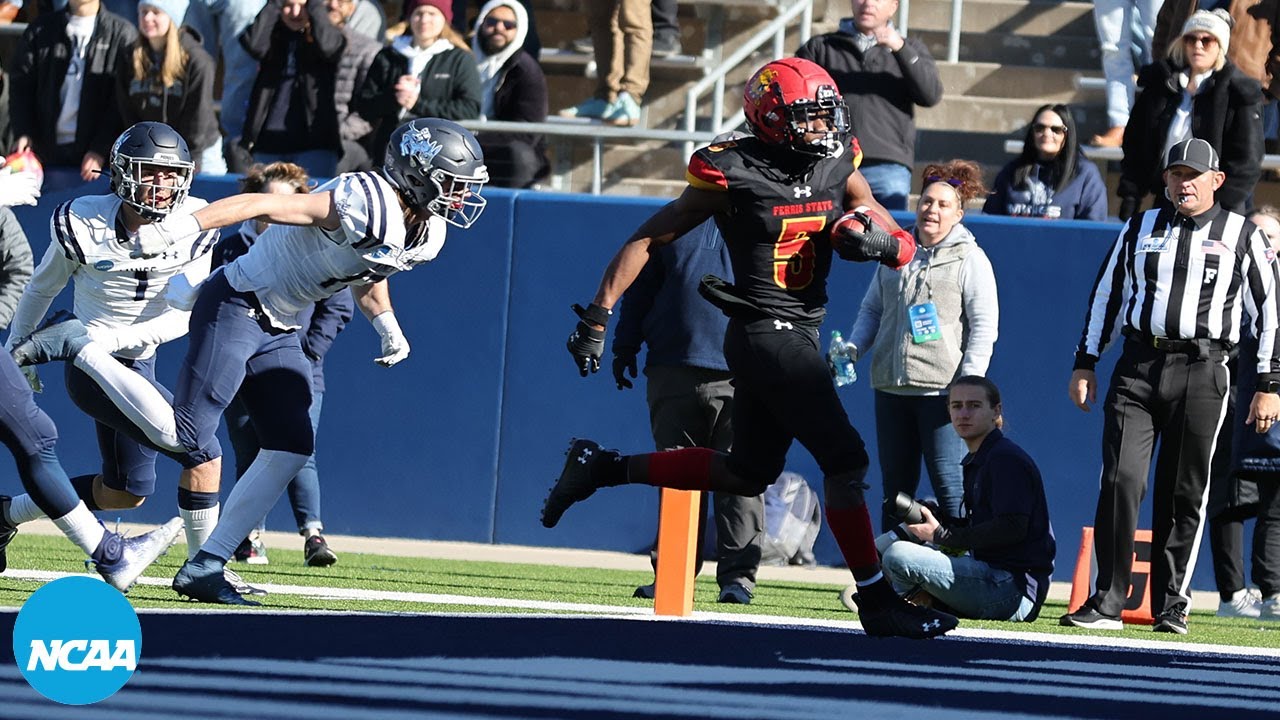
<point x="995" y="561"/>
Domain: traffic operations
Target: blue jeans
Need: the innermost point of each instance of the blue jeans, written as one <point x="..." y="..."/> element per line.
<point x="1122" y="25"/>
<point x="890" y="183"/>
<point x="971" y="587"/>
<point x="914" y="427"/>
<point x="317" y="163"/>
<point x="220" y="23"/>
<point x="304" y="489"/>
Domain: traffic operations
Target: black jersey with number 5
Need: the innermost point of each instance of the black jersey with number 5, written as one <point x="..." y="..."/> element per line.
<point x="777" y="227"/>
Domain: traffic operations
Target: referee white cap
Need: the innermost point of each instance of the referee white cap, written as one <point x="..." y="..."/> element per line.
<point x="1195" y="153"/>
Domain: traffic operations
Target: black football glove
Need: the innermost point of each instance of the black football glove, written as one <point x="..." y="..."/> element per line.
<point x="622" y="364"/>
<point x="873" y="243"/>
<point x="586" y="344"/>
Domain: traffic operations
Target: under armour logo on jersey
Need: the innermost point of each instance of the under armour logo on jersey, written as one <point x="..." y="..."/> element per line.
<point x="806" y="191"/>
<point x="782" y="325"/>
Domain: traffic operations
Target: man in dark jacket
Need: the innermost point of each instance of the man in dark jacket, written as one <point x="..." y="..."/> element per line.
<point x="66" y="61"/>
<point x="512" y="88"/>
<point x="292" y="113"/>
<point x="353" y="65"/>
<point x="883" y="77"/>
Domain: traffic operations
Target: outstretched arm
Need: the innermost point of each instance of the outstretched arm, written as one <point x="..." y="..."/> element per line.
<point x="312" y="209"/>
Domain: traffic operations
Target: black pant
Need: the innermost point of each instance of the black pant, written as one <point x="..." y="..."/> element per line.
<point x="690" y="407"/>
<point x="1181" y="399"/>
<point x="1226" y="538"/>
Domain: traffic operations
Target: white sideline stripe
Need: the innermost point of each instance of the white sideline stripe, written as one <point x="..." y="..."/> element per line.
<point x="568" y="610"/>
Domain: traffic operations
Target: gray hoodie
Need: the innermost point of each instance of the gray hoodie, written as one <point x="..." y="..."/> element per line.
<point x="956" y="276"/>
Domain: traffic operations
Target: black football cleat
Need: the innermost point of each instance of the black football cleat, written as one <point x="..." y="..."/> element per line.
<point x="7" y="532"/>
<point x="899" y="618"/>
<point x="578" y="480"/>
<point x="213" y="588"/>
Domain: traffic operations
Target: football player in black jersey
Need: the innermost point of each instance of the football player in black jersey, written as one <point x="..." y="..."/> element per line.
<point x="776" y="197"/>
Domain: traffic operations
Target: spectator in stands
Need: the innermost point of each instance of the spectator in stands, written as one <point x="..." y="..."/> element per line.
<point x="926" y="325"/>
<point x="15" y="261"/>
<point x="366" y="19"/>
<point x="666" y="31"/>
<point x="353" y="66"/>
<point x="1251" y="490"/>
<point x="1194" y="92"/>
<point x="532" y="44"/>
<point x="321" y="324"/>
<point x="622" y="41"/>
<point x="1122" y="26"/>
<point x="994" y="563"/>
<point x="220" y="23"/>
<point x="512" y="88"/>
<point x="293" y="116"/>
<point x="67" y="60"/>
<point x="690" y="390"/>
<point x="427" y="72"/>
<point x="168" y="77"/>
<point x="1051" y="178"/>
<point x="883" y="77"/>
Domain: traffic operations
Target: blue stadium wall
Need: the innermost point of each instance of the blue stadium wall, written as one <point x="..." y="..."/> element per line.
<point x="461" y="441"/>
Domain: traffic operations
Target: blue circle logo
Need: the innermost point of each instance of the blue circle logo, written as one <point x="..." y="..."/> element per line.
<point x="103" y="265"/>
<point x="77" y="640"/>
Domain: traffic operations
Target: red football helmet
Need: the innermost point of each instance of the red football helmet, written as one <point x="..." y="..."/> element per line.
<point x="783" y="100"/>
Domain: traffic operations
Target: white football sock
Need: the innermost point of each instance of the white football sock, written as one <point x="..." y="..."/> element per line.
<point x="23" y="509"/>
<point x="133" y="394"/>
<point x="81" y="528"/>
<point x="199" y="524"/>
<point x="251" y="499"/>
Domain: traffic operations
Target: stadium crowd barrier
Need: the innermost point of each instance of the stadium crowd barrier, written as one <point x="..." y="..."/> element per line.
<point x="461" y="441"/>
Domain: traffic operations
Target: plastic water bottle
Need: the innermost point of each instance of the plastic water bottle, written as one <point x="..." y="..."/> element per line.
<point x="841" y="364"/>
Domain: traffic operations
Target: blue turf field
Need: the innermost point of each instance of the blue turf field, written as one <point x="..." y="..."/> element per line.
<point x="215" y="665"/>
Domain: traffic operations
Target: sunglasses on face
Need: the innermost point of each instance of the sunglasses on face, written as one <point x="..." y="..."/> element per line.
<point x="931" y="179"/>
<point x="1055" y="129"/>
<point x="491" y="22"/>
<point x="1203" y="40"/>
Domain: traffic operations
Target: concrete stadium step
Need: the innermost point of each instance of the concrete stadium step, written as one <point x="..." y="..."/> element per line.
<point x="1014" y="17"/>
<point x="1050" y="51"/>
<point x="994" y="115"/>
<point x="1012" y="81"/>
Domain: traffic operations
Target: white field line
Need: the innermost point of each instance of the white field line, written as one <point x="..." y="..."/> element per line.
<point x="554" y="609"/>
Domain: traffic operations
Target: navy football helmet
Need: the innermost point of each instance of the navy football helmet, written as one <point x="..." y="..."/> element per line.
<point x="438" y="165"/>
<point x="138" y="153"/>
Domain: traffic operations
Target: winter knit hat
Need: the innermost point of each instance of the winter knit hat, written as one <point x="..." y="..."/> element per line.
<point x="1215" y="22"/>
<point x="175" y="9"/>
<point x="444" y="6"/>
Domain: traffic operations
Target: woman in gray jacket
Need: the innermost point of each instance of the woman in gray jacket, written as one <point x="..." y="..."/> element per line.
<point x="925" y="325"/>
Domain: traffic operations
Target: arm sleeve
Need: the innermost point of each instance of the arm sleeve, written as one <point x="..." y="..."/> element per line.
<point x="22" y="86"/>
<point x="920" y="73"/>
<point x="375" y="97"/>
<point x="1243" y="146"/>
<point x="981" y="311"/>
<point x="637" y="301"/>
<point x="327" y="39"/>
<point x="256" y="39"/>
<point x="867" y="324"/>
<point x="1262" y="275"/>
<point x="50" y="278"/>
<point x="998" y="201"/>
<point x="1102" y="320"/>
<point x="1093" y="193"/>
<point x="331" y="315"/>
<point x="15" y="265"/>
<point x="1000" y="531"/>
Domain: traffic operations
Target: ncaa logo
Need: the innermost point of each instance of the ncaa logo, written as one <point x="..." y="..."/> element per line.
<point x="77" y="640"/>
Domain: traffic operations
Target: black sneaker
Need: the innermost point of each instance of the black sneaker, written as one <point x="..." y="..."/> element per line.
<point x="577" y="480"/>
<point x="7" y="532"/>
<point x="1171" y="621"/>
<point x="899" y="618"/>
<point x="1088" y="618"/>
<point x="735" y="594"/>
<point x="316" y="552"/>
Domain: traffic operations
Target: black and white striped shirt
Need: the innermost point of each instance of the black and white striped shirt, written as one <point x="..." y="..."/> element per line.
<point x="1186" y="278"/>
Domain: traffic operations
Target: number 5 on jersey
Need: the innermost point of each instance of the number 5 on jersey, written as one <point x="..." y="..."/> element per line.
<point x="793" y="253"/>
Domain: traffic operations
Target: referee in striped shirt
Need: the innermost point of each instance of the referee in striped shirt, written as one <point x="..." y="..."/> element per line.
<point x="1175" y="286"/>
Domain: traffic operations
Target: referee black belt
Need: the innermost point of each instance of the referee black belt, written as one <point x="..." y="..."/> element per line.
<point x="1176" y="345"/>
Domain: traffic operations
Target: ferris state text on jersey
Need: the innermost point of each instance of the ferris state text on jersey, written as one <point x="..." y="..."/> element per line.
<point x="782" y="205"/>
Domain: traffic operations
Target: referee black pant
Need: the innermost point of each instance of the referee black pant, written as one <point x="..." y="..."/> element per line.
<point x="1179" y="398"/>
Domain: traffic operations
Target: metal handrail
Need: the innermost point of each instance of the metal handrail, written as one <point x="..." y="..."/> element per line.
<point x="1097" y="152"/>
<point x="775" y="30"/>
<point x="597" y="133"/>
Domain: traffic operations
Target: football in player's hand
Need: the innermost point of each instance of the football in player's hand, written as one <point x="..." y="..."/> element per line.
<point x="848" y="233"/>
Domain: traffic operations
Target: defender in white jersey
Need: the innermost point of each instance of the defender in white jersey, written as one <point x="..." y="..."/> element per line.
<point x="120" y="298"/>
<point x="354" y="231"/>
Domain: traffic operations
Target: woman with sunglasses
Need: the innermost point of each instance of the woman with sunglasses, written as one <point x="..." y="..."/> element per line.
<point x="1196" y="91"/>
<point x="931" y="322"/>
<point x="1051" y="178"/>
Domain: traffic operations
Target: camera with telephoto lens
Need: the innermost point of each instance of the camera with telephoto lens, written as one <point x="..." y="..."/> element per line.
<point x="907" y="509"/>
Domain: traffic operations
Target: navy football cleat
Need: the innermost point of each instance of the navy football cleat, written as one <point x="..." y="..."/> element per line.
<point x="60" y="337"/>
<point x="7" y="532"/>
<point x="136" y="554"/>
<point x="213" y="588"/>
